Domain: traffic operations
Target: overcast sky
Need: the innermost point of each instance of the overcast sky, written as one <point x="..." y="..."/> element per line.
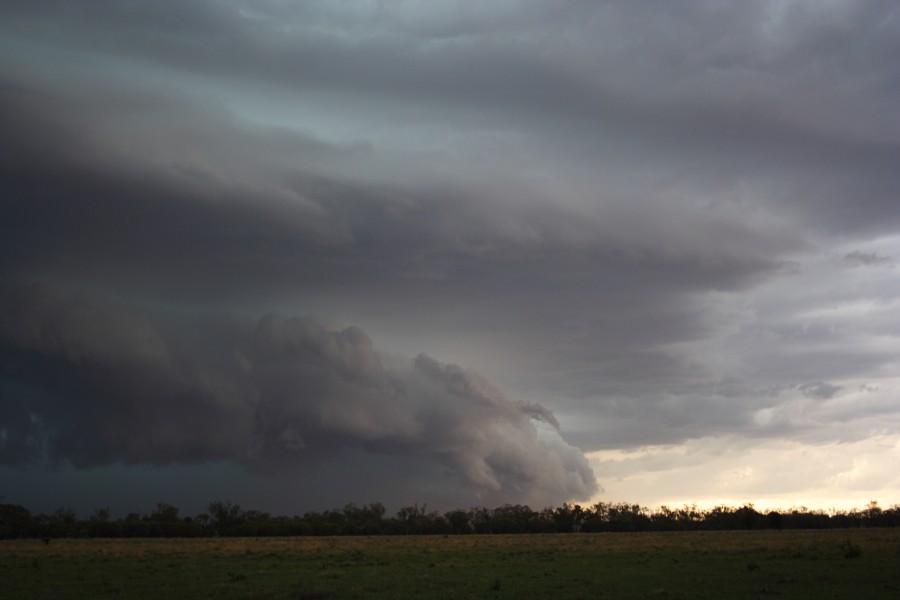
<point x="300" y="254"/>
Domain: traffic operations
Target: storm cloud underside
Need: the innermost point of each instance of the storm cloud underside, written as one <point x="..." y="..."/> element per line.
<point x="98" y="384"/>
<point x="651" y="227"/>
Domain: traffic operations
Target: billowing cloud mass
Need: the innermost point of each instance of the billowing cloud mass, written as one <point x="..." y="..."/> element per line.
<point x="651" y="225"/>
<point x="97" y="384"/>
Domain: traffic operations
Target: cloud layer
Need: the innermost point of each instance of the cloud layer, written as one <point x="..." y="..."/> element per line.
<point x="663" y="224"/>
<point x="98" y="384"/>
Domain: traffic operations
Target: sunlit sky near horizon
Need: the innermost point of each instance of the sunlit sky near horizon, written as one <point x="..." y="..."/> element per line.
<point x="302" y="254"/>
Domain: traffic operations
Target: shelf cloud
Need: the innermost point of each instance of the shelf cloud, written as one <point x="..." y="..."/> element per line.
<point x="104" y="383"/>
<point x="265" y="235"/>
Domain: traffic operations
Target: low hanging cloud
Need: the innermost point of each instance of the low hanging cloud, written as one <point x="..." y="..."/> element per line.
<point x="95" y="383"/>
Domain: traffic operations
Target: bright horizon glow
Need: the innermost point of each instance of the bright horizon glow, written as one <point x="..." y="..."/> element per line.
<point x="770" y="474"/>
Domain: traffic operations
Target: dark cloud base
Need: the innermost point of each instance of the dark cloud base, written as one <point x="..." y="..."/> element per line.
<point x="93" y="383"/>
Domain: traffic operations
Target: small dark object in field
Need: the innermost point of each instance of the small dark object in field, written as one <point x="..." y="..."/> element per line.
<point x="752" y="566"/>
<point x="46" y="540"/>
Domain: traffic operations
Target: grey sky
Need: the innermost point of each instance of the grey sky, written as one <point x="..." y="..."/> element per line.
<point x="653" y="224"/>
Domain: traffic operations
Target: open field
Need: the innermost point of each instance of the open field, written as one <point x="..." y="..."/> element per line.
<point x="791" y="564"/>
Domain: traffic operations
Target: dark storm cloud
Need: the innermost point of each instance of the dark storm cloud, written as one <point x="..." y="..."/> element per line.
<point x="202" y="236"/>
<point x="94" y="383"/>
<point x="641" y="215"/>
<point x="238" y="218"/>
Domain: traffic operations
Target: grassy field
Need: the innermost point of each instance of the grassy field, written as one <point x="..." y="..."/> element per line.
<point x="791" y="564"/>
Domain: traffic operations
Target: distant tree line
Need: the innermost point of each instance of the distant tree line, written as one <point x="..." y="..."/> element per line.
<point x="229" y="519"/>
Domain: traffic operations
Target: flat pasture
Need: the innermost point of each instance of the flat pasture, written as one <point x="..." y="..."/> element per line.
<point x="859" y="563"/>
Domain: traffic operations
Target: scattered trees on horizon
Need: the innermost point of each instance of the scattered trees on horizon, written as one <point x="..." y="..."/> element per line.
<point x="225" y="518"/>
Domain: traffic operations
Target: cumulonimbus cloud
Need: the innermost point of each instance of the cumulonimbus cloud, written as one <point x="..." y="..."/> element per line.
<point x="92" y="383"/>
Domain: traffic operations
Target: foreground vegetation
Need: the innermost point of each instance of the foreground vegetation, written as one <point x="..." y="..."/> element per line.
<point x="228" y="519"/>
<point x="860" y="563"/>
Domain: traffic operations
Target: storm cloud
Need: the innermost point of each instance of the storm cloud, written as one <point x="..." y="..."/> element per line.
<point x="97" y="384"/>
<point x="646" y="225"/>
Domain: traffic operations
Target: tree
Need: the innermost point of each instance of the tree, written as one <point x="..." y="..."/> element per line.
<point x="871" y="514"/>
<point x="15" y="521"/>
<point x="224" y="515"/>
<point x="748" y="516"/>
<point x="364" y="520"/>
<point x="164" y="521"/>
<point x="63" y="523"/>
<point x="568" y="517"/>
<point x="596" y="518"/>
<point x="513" y="518"/>
<point x="101" y="515"/>
<point x="459" y="521"/>
<point x="164" y="513"/>
<point x="415" y="519"/>
<point x="99" y="525"/>
<point x="481" y="519"/>
<point x="411" y="518"/>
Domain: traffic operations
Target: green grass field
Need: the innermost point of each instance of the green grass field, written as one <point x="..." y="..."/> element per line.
<point x="790" y="564"/>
